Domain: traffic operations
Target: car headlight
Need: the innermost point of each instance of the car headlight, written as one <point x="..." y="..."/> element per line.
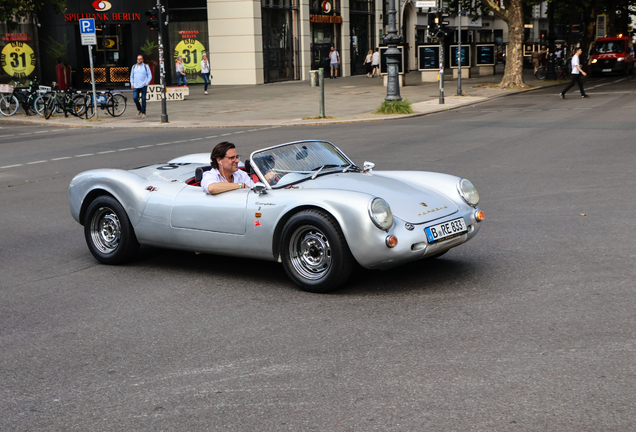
<point x="381" y="214"/>
<point x="620" y="59"/>
<point x="468" y="192"/>
<point x="593" y="61"/>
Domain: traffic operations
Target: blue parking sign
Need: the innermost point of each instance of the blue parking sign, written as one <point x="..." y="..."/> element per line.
<point x="87" y="25"/>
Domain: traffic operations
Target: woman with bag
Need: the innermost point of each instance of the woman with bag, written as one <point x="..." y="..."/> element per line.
<point x="205" y="72"/>
<point x="368" y="63"/>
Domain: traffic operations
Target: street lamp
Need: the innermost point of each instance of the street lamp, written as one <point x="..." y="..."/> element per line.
<point x="392" y="39"/>
<point x="550" y="73"/>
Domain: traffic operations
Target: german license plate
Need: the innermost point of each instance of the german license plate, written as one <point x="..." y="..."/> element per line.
<point x="607" y="70"/>
<point x="445" y="230"/>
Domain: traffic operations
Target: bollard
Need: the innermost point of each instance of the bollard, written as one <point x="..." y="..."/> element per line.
<point x="321" y="83"/>
<point x="313" y="78"/>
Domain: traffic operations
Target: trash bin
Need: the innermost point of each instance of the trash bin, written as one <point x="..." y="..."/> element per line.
<point x="313" y="78"/>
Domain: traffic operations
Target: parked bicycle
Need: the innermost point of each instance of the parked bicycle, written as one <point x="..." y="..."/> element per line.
<point x="561" y="70"/>
<point x="110" y="100"/>
<point x="14" y="96"/>
<point x="65" y="100"/>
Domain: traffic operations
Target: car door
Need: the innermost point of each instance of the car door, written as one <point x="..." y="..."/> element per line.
<point x="223" y="213"/>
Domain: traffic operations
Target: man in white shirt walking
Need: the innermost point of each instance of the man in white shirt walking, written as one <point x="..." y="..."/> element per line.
<point x="334" y="62"/>
<point x="375" y="60"/>
<point x="576" y="75"/>
<point x="140" y="77"/>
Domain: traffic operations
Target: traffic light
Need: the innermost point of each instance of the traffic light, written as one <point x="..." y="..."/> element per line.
<point x="432" y="23"/>
<point x="154" y="19"/>
<point x="442" y="19"/>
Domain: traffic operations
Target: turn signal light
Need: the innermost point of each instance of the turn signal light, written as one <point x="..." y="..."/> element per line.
<point x="479" y="216"/>
<point x="391" y="241"/>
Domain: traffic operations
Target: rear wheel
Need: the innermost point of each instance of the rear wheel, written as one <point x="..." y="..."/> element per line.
<point x="314" y="252"/>
<point x="39" y="103"/>
<point x="8" y="105"/>
<point x="116" y="105"/>
<point x="109" y="234"/>
<point x="49" y="107"/>
<point x="540" y="73"/>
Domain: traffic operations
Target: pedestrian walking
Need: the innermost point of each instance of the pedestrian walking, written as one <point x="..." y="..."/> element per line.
<point x="368" y="63"/>
<point x="576" y="75"/>
<point x="205" y="72"/>
<point x="334" y="62"/>
<point x="181" y="75"/>
<point x="375" y="60"/>
<point x="536" y="55"/>
<point x="140" y="77"/>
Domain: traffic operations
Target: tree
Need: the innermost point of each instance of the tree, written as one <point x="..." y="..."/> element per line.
<point x="12" y="10"/>
<point x="512" y="14"/>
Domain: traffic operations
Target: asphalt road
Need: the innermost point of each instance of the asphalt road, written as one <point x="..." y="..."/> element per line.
<point x="530" y="326"/>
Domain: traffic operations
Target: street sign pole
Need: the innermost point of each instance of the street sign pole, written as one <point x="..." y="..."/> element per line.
<point x="459" y="49"/>
<point x="89" y="37"/>
<point x="90" y="56"/>
<point x="162" y="67"/>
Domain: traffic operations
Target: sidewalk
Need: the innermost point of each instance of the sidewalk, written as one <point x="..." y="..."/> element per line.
<point x="350" y="99"/>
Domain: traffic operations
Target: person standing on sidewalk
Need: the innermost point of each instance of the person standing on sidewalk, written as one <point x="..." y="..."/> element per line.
<point x="205" y="72"/>
<point x="376" y="62"/>
<point x="368" y="63"/>
<point x="334" y="62"/>
<point x="180" y="70"/>
<point x="576" y="75"/>
<point x="140" y="77"/>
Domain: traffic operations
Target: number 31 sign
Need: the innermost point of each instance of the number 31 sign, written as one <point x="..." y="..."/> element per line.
<point x="191" y="50"/>
<point x="18" y="59"/>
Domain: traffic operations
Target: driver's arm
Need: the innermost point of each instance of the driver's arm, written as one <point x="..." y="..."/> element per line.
<point x="220" y="187"/>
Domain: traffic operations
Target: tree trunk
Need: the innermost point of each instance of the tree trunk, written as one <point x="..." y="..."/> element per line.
<point x="512" y="14"/>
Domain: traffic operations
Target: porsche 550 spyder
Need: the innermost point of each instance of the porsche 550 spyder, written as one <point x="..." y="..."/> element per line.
<point x="318" y="213"/>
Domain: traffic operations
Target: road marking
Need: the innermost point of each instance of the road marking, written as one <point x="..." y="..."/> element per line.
<point x="107" y="151"/>
<point x="174" y="142"/>
<point x="129" y="148"/>
<point x="146" y="146"/>
<point x="163" y="144"/>
<point x="62" y="158"/>
<point x="3" y="136"/>
<point x="36" y="162"/>
<point x="213" y="136"/>
<point x="226" y="134"/>
<point x="84" y="155"/>
<point x="196" y="139"/>
<point x="12" y="166"/>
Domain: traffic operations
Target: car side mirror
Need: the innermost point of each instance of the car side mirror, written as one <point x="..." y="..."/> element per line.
<point x="260" y="188"/>
<point x="368" y="166"/>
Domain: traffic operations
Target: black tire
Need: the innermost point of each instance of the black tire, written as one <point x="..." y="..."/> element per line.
<point x="116" y="105"/>
<point x="78" y="105"/>
<point x="109" y="234"/>
<point x="314" y="252"/>
<point x="8" y="105"/>
<point x="49" y="107"/>
<point x="540" y="73"/>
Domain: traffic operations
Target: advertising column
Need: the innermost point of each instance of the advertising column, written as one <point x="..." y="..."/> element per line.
<point x="189" y="40"/>
<point x="18" y="54"/>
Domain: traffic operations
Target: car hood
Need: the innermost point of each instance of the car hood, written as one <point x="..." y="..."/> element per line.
<point x="411" y="203"/>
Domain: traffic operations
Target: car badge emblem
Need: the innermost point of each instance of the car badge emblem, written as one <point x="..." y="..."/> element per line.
<point x="409" y="226"/>
<point x="423" y="204"/>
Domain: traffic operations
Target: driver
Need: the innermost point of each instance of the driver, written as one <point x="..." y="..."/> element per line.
<point x="225" y="174"/>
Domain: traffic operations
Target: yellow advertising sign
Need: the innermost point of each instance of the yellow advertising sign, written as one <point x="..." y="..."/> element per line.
<point x="18" y="59"/>
<point x="191" y="50"/>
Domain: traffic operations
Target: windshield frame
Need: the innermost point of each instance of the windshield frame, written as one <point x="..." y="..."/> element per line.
<point x="261" y="176"/>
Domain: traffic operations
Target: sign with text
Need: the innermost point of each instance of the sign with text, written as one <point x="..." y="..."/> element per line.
<point x="485" y="55"/>
<point x="465" y="56"/>
<point x="428" y="57"/>
<point x="87" y="31"/>
<point x="172" y="93"/>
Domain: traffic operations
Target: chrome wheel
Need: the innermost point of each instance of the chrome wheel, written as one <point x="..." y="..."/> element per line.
<point x="310" y="252"/>
<point x="105" y="230"/>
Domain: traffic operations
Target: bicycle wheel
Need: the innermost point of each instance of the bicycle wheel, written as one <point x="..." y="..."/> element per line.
<point x="50" y="107"/>
<point x="39" y="103"/>
<point x="78" y="100"/>
<point x="8" y="105"/>
<point x="540" y="73"/>
<point x="87" y="107"/>
<point x="116" y="105"/>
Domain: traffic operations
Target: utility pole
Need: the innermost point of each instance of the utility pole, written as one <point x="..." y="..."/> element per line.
<point x="459" y="48"/>
<point x="392" y="39"/>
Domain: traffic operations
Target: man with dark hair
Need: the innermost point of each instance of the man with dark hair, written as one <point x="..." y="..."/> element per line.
<point x="576" y="75"/>
<point x="140" y="77"/>
<point x="225" y="174"/>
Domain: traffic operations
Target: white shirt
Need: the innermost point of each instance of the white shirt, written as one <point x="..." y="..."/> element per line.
<point x="205" y="66"/>
<point x="575" y="63"/>
<point x="333" y="56"/>
<point x="214" y="176"/>
<point x="368" y="58"/>
<point x="376" y="58"/>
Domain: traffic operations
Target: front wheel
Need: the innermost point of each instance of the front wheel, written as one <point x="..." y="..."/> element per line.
<point x="314" y="252"/>
<point x="50" y="107"/>
<point x="8" y="105"/>
<point x="109" y="234"/>
<point x="540" y="73"/>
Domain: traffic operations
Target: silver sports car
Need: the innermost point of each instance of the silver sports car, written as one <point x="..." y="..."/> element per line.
<point x="318" y="214"/>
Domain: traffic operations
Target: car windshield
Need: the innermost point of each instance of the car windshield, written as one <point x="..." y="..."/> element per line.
<point x="295" y="162"/>
<point x="609" y="47"/>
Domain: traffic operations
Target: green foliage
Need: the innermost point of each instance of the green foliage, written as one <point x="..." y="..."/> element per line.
<point x="395" y="107"/>
<point x="12" y="10"/>
<point x="56" y="49"/>
<point x="148" y="48"/>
